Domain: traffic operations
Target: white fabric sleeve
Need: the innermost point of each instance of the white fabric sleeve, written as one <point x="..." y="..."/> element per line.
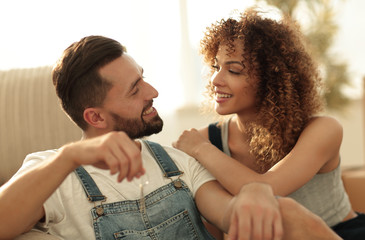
<point x="195" y="174"/>
<point x="199" y="176"/>
<point x="53" y="207"/>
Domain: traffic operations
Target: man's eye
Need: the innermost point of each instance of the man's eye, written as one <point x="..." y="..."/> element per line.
<point x="135" y="91"/>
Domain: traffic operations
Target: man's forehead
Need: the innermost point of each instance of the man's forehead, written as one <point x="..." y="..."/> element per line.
<point x="123" y="67"/>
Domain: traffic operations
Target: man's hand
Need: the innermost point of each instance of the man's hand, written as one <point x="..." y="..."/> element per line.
<point x="114" y="151"/>
<point x="254" y="214"/>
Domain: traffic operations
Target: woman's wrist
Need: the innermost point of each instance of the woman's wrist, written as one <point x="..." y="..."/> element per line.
<point x="202" y="150"/>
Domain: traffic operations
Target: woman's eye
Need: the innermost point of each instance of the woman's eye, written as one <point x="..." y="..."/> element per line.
<point x="234" y="72"/>
<point x="215" y="67"/>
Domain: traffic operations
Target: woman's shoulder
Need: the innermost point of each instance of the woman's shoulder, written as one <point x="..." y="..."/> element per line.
<point x="325" y="124"/>
<point x="324" y="120"/>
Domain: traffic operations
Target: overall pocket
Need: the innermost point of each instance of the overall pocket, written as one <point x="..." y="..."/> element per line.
<point x="177" y="227"/>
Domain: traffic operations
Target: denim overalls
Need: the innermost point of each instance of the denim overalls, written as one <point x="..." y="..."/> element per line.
<point x="168" y="213"/>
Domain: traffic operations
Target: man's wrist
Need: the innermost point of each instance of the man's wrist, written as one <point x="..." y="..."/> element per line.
<point x="67" y="155"/>
<point x="254" y="186"/>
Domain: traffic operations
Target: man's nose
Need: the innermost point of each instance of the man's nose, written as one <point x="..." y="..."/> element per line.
<point x="151" y="92"/>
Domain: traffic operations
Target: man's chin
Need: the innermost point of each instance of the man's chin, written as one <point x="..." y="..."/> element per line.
<point x="154" y="128"/>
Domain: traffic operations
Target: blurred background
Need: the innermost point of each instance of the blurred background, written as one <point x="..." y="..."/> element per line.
<point x="163" y="36"/>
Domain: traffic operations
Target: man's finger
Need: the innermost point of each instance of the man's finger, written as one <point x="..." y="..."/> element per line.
<point x="232" y="231"/>
<point x="278" y="228"/>
<point x="268" y="227"/>
<point x="257" y="225"/>
<point x="244" y="226"/>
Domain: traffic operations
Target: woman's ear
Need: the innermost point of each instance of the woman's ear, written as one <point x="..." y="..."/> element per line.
<point x="95" y="118"/>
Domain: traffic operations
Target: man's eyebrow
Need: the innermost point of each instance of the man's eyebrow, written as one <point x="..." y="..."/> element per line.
<point x="133" y="85"/>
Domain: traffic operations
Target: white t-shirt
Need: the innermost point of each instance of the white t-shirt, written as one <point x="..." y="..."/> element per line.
<point x="67" y="211"/>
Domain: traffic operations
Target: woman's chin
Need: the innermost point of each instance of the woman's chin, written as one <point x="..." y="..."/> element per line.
<point x="222" y="112"/>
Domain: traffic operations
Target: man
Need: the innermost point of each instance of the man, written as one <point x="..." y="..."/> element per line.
<point x="111" y="185"/>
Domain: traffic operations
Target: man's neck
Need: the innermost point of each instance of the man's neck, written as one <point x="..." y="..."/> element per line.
<point x="92" y="134"/>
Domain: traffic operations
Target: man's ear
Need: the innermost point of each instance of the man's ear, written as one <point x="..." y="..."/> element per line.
<point x="95" y="118"/>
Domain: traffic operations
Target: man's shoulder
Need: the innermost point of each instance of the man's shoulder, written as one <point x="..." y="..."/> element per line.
<point x="40" y="155"/>
<point x="32" y="159"/>
<point x="175" y="152"/>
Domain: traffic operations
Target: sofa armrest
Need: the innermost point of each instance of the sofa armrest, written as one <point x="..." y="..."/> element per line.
<point x="354" y="182"/>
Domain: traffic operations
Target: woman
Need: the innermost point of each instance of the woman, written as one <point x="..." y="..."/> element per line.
<point x="263" y="75"/>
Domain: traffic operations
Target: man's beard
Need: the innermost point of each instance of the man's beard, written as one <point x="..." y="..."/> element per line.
<point x="137" y="128"/>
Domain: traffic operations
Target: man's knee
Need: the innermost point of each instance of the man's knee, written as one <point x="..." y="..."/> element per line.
<point x="287" y="204"/>
<point x="289" y="207"/>
<point x="300" y="223"/>
<point x="292" y="211"/>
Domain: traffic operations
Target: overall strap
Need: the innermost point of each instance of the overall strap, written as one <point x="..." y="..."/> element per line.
<point x="91" y="189"/>
<point x="215" y="136"/>
<point x="166" y="164"/>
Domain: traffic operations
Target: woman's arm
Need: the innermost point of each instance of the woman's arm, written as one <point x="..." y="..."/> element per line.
<point x="316" y="149"/>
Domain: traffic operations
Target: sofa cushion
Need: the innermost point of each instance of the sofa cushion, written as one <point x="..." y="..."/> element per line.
<point x="354" y="182"/>
<point x="31" y="117"/>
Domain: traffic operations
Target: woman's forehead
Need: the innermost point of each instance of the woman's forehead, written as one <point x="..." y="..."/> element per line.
<point x="230" y="50"/>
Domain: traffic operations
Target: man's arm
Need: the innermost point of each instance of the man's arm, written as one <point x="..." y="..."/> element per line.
<point x="301" y="224"/>
<point x="22" y="198"/>
<point x="252" y="214"/>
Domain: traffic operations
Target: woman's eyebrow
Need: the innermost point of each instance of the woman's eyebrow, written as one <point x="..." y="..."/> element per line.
<point x="233" y="62"/>
<point x="229" y="62"/>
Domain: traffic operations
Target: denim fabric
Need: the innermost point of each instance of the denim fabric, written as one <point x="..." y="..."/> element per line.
<point x="353" y="229"/>
<point x="167" y="213"/>
<point x="168" y="167"/>
<point x="92" y="191"/>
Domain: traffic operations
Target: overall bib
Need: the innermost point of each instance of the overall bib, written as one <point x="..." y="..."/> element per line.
<point x="167" y="213"/>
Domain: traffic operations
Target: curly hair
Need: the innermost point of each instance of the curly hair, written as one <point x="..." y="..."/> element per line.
<point x="288" y="81"/>
<point x="76" y="78"/>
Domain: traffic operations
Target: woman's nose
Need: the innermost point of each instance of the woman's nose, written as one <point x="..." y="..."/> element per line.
<point x="217" y="79"/>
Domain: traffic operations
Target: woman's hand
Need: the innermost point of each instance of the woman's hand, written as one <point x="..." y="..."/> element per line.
<point x="191" y="141"/>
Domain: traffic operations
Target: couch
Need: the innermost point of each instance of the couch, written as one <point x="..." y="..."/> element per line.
<point x="32" y="120"/>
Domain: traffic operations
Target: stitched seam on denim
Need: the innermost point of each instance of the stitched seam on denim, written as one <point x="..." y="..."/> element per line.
<point x="165" y="162"/>
<point x="88" y="184"/>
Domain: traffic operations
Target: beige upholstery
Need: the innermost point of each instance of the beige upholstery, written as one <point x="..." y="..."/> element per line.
<point x="354" y="182"/>
<point x="31" y="118"/>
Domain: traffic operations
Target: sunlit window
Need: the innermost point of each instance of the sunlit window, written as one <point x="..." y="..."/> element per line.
<point x="162" y="35"/>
